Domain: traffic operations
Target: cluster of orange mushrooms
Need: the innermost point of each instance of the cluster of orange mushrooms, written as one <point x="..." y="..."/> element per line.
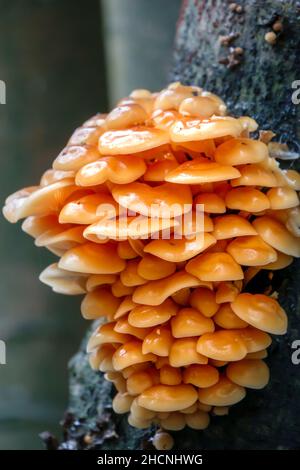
<point x="182" y="338"/>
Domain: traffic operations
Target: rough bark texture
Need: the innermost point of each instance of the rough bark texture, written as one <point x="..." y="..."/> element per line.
<point x="260" y="85"/>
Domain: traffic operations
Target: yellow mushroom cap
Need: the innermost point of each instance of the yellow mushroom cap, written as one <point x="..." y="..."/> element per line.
<point x="200" y="171"/>
<point x="152" y="268"/>
<point x="177" y="250"/>
<point x="155" y="292"/>
<point x="277" y="235"/>
<point x="136" y="139"/>
<point x="226" y="318"/>
<point x="226" y="292"/>
<point x="168" y="397"/>
<point x="191" y="129"/>
<point x="223" y="393"/>
<point x="37" y="200"/>
<point x="250" y="373"/>
<point x="248" y="199"/>
<point x="215" y="267"/>
<point x="282" y="198"/>
<point x="261" y="311"/>
<point x="184" y="352"/>
<point x="251" y="251"/>
<point x="92" y="259"/>
<point x="119" y="170"/>
<point x="129" y="354"/>
<point x="204" y="300"/>
<point x="105" y="334"/>
<point x="255" y="175"/>
<point x="190" y="322"/>
<point x="255" y="339"/>
<point x="158" y="170"/>
<point x="84" y="210"/>
<point x="140" y="381"/>
<point x="130" y="276"/>
<point x="144" y="316"/>
<point x="198" y="420"/>
<point x="100" y="302"/>
<point x="122" y="326"/>
<point x="97" y="280"/>
<point x="63" y="282"/>
<point x="240" y="151"/>
<point x="125" y="307"/>
<point x="73" y="157"/>
<point x="159" y="201"/>
<point x="158" y="342"/>
<point x="282" y="262"/>
<point x="126" y="116"/>
<point x="232" y="225"/>
<point x="169" y="375"/>
<point x="222" y="345"/>
<point x="201" y="376"/>
<point x="213" y="203"/>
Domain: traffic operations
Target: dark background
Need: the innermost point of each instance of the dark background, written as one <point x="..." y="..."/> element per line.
<point x="62" y="61"/>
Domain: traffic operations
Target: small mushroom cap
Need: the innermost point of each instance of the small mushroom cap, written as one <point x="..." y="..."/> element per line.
<point x="158" y="170"/>
<point x="126" y="116"/>
<point x="152" y="268"/>
<point x="98" y="303"/>
<point x="36" y="225"/>
<point x="190" y="322"/>
<point x="97" y="280"/>
<point x="73" y="157"/>
<point x="277" y="235"/>
<point x="201" y="376"/>
<point x="184" y="352"/>
<point x="255" y="339"/>
<point x="122" y="326"/>
<point x="37" y="200"/>
<point x="223" y="393"/>
<point x="84" y="210"/>
<point x="251" y="251"/>
<point x="139" y="381"/>
<point x="163" y="441"/>
<point x="129" y="354"/>
<point x="127" y="141"/>
<point x="178" y="250"/>
<point x="158" y="201"/>
<point x="97" y="355"/>
<point x="240" y="151"/>
<point x="250" y="373"/>
<point x="170" y="375"/>
<point x="200" y="171"/>
<point x="130" y="276"/>
<point x="255" y="175"/>
<point x="63" y="282"/>
<point x="226" y="318"/>
<point x="53" y="176"/>
<point x="261" y="311"/>
<point x="105" y="334"/>
<point x="191" y="129"/>
<point x="282" y="262"/>
<point x="198" y="420"/>
<point x="61" y="238"/>
<point x="158" y="342"/>
<point x="182" y="296"/>
<point x="292" y="178"/>
<point x="174" y="422"/>
<point x="204" y="300"/>
<point x="125" y="307"/>
<point x="155" y="292"/>
<point x="222" y="345"/>
<point x="122" y="402"/>
<point x="168" y="397"/>
<point x="119" y="170"/>
<point x="144" y="316"/>
<point x="247" y="199"/>
<point x="138" y="412"/>
<point x="257" y="355"/>
<point x="231" y="225"/>
<point x="214" y="267"/>
<point x="92" y="259"/>
<point x="200" y="106"/>
<point x="125" y="250"/>
<point x="226" y="292"/>
<point x="119" y="290"/>
<point x="213" y="203"/>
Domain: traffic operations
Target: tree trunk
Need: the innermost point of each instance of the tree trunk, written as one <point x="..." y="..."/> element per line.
<point x="256" y="83"/>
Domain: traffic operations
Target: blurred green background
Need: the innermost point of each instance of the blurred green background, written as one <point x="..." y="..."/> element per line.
<point x="62" y="61"/>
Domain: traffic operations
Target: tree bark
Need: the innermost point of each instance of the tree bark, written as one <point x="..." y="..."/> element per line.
<point x="256" y="83"/>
